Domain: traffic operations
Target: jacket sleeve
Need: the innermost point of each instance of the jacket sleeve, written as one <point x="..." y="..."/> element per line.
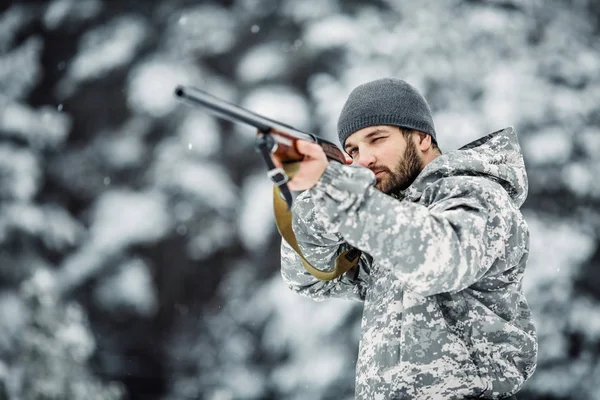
<point x="320" y="248"/>
<point x="444" y="247"/>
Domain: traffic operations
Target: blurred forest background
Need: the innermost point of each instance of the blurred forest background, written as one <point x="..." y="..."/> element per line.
<point x="139" y="257"/>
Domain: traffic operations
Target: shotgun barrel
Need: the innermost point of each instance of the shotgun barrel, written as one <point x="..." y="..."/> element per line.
<point x="283" y="134"/>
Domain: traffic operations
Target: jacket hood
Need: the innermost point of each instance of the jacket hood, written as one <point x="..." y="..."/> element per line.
<point x="496" y="156"/>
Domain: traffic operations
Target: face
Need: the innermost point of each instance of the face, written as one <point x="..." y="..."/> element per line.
<point x="395" y="160"/>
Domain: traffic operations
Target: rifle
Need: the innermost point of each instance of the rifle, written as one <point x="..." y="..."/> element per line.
<point x="277" y="138"/>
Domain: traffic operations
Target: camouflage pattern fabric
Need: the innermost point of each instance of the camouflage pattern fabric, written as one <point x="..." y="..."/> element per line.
<point x="441" y="274"/>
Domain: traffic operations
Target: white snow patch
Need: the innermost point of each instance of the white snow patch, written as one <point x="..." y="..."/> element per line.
<point x="580" y="177"/>
<point x="123" y="218"/>
<point x="203" y="30"/>
<point x="11" y="21"/>
<point x="74" y="334"/>
<point x="131" y="288"/>
<point x="20" y="175"/>
<point x="584" y="317"/>
<point x="151" y="86"/>
<point x="59" y="11"/>
<point x="13" y="316"/>
<point x="287" y="329"/>
<point x="329" y="96"/>
<point x="280" y="103"/>
<point x="249" y="383"/>
<point x="301" y="11"/>
<point x="261" y="63"/>
<point x="455" y="129"/>
<point x="201" y="134"/>
<point x="209" y="183"/>
<point x="551" y="146"/>
<point x="43" y="127"/>
<point x="20" y="68"/>
<point x="256" y="220"/>
<point x="501" y="90"/>
<point x="216" y="235"/>
<point x="556" y="250"/>
<point x="105" y="49"/>
<point x="487" y="19"/>
<point x="123" y="151"/>
<point x="331" y="31"/>
<point x="590" y="140"/>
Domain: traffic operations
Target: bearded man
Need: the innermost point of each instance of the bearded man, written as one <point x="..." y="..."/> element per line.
<point x="444" y="249"/>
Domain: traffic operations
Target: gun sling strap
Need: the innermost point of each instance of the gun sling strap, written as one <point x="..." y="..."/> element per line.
<point x="283" y="217"/>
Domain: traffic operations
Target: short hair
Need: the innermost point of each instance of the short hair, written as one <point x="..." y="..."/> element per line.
<point x="407" y="132"/>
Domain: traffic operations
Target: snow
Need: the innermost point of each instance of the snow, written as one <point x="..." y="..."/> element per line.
<point x="302" y="11"/>
<point x="41" y="285"/>
<point x="553" y="145"/>
<point x="215" y="236"/>
<point x="124" y="151"/>
<point x="488" y="20"/>
<point x="16" y="75"/>
<point x="279" y="103"/>
<point x="206" y="29"/>
<point x="11" y="20"/>
<point x="151" y="86"/>
<point x="131" y="289"/>
<point x="589" y="138"/>
<point x="208" y="183"/>
<point x="45" y="127"/>
<point x="201" y="134"/>
<point x="581" y="178"/>
<point x="64" y="11"/>
<point x="501" y="86"/>
<point x="329" y="96"/>
<point x="308" y="330"/>
<point x="583" y="317"/>
<point x="149" y="171"/>
<point x="331" y="31"/>
<point x="105" y="49"/>
<point x="556" y="250"/>
<point x="123" y="217"/>
<point x="75" y="335"/>
<point x="255" y="221"/>
<point x="55" y="228"/>
<point x="13" y="316"/>
<point x="455" y="129"/>
<point x="262" y="62"/>
<point x="22" y="177"/>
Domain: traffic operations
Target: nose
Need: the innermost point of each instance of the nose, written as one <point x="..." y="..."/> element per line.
<point x="365" y="158"/>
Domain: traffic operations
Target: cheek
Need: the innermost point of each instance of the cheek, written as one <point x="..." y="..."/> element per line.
<point x="389" y="158"/>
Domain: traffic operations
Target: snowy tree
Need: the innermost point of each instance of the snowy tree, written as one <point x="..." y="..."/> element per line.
<point x="139" y="253"/>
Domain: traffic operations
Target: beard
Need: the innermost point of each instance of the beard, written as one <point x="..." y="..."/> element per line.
<point x="403" y="174"/>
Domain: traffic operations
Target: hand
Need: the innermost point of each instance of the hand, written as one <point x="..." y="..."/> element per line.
<point x="311" y="167"/>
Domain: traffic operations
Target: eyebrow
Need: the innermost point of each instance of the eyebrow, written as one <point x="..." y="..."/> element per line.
<point x="367" y="136"/>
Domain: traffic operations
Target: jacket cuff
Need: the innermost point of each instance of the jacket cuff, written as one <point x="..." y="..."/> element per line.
<point x="340" y="192"/>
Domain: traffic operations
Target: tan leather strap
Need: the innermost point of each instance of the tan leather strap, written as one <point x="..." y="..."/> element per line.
<point x="283" y="217"/>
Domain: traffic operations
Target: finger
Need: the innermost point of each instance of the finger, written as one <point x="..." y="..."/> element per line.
<point x="309" y="149"/>
<point x="277" y="161"/>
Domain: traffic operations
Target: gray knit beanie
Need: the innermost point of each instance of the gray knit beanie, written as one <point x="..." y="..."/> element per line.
<point x="385" y="101"/>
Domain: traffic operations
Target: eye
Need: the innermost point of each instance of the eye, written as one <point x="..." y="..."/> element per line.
<point x="352" y="152"/>
<point x="377" y="139"/>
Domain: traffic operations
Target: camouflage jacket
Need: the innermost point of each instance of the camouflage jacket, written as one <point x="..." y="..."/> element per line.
<point x="440" y="276"/>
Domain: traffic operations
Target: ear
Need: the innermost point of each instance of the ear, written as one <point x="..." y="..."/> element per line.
<point x="423" y="141"/>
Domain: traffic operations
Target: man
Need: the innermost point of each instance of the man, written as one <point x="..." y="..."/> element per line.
<point x="444" y="249"/>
